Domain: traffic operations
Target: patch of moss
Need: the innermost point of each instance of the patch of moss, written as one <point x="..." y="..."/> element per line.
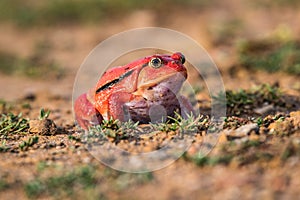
<point x="35" y="66"/>
<point x="201" y="160"/>
<point x="270" y="55"/>
<point x="242" y="102"/>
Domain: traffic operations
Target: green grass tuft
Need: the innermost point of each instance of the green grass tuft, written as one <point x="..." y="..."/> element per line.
<point x="30" y="142"/>
<point x="44" y="114"/>
<point x="13" y="124"/>
<point x="113" y="129"/>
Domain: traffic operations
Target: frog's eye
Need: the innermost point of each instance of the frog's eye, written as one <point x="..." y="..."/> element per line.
<point x="155" y="62"/>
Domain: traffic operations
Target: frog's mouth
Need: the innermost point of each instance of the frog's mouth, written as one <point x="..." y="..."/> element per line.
<point x="172" y="81"/>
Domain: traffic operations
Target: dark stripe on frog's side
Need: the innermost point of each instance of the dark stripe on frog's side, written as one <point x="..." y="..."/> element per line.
<point x="107" y="85"/>
<point x="113" y="82"/>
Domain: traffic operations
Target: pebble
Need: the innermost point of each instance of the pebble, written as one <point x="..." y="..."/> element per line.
<point x="42" y="127"/>
<point x="265" y="110"/>
<point x="243" y="131"/>
<point x="30" y="95"/>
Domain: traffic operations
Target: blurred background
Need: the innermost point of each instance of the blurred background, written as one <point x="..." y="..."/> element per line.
<point x="43" y="43"/>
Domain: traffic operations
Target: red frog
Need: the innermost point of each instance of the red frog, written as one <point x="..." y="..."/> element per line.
<point x="137" y="91"/>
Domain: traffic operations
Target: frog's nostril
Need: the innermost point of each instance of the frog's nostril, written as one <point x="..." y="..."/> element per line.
<point x="179" y="56"/>
<point x="182" y="59"/>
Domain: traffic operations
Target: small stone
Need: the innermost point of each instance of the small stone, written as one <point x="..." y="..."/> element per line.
<point x="30" y="95"/>
<point x="265" y="110"/>
<point x="243" y="131"/>
<point x="248" y="128"/>
<point x="42" y="127"/>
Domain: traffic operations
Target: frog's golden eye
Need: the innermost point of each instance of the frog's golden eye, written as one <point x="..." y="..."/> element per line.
<point x="155" y="62"/>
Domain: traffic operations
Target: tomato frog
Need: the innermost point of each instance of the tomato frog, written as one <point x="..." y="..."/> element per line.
<point x="145" y="90"/>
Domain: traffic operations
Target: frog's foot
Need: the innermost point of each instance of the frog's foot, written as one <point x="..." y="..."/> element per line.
<point x="85" y="113"/>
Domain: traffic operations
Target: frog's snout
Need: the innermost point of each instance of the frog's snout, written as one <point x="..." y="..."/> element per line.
<point x="178" y="57"/>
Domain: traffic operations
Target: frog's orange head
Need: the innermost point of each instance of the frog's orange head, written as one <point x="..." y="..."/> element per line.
<point x="158" y="68"/>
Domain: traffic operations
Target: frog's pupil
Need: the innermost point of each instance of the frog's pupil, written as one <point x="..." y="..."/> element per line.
<point x="155" y="61"/>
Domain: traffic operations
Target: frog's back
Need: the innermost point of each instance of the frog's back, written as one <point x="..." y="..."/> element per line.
<point x="114" y="74"/>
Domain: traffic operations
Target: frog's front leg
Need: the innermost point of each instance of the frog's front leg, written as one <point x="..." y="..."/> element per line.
<point x="85" y="113"/>
<point x="126" y="106"/>
<point x="116" y="103"/>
